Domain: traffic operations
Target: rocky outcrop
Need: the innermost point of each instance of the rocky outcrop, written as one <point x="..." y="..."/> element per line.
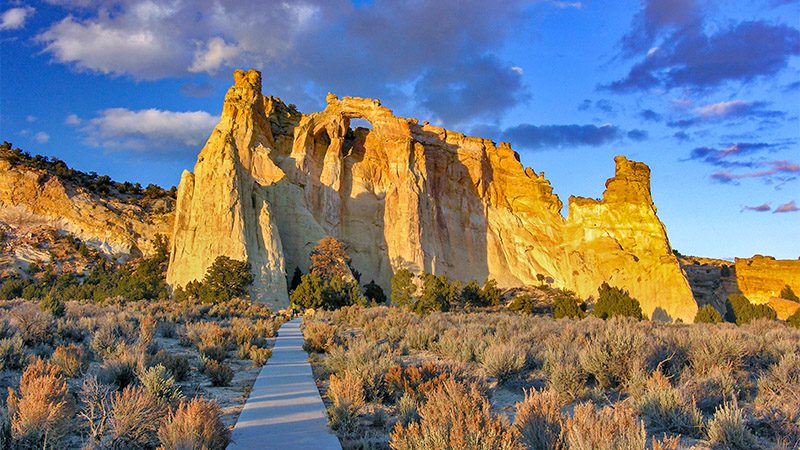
<point x="761" y="278"/>
<point x="404" y="194"/>
<point x="31" y="199"/>
<point x="222" y="209"/>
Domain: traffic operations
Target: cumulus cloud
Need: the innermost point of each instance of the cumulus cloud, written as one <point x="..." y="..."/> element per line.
<point x="72" y="120"/>
<point x="41" y="137"/>
<point x="413" y="52"/>
<point x="561" y="136"/>
<point x="691" y="54"/>
<point x="149" y="129"/>
<point x="15" y="18"/>
<point x="787" y="207"/>
<point x="759" y="208"/>
<point x="214" y="54"/>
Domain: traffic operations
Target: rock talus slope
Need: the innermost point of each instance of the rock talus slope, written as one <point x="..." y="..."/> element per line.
<point x="271" y="182"/>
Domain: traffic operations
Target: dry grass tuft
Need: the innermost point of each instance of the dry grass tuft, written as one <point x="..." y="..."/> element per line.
<point x="540" y="422"/>
<point x="42" y="413"/>
<point x="455" y="416"/>
<point x="195" y="425"/>
<point x="318" y="337"/>
<point x="135" y="419"/>
<point x="608" y="428"/>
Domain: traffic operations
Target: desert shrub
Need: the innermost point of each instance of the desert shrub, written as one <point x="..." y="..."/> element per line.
<point x="420" y="338"/>
<point x="318" y="337"/>
<point x="715" y="350"/>
<point x="403" y="288"/>
<point x="219" y="374"/>
<point x="374" y="293"/>
<point x="42" y="412"/>
<point x="364" y="359"/>
<point x="347" y="396"/>
<point x="540" y="422"/>
<point x="565" y="376"/>
<point x="794" y="319"/>
<point x="663" y="408"/>
<point x="96" y="409"/>
<point x="778" y="398"/>
<point x="503" y="360"/>
<point x="177" y="366"/>
<point x="741" y="311"/>
<point x="610" y="356"/>
<point x="167" y="329"/>
<point x="711" y="389"/>
<point x="567" y="304"/>
<point x="707" y="314"/>
<point x="455" y="416"/>
<point x="134" y="419"/>
<point x="121" y="369"/>
<point x="608" y="428"/>
<point x="788" y="294"/>
<point x="412" y="380"/>
<point x="216" y="352"/>
<point x="728" y="429"/>
<point x="158" y="382"/>
<point x="72" y="360"/>
<point x="613" y="301"/>
<point x="53" y="305"/>
<point x="147" y="331"/>
<point x="6" y="439"/>
<point x="462" y="345"/>
<point x="35" y="327"/>
<point x="407" y="410"/>
<point x="195" y="425"/>
<point x="259" y="356"/>
<point x="111" y="334"/>
<point x="12" y="353"/>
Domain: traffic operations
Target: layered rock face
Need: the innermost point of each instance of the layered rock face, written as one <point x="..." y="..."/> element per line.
<point x="761" y="278"/>
<point x="271" y="182"/>
<point x="29" y="200"/>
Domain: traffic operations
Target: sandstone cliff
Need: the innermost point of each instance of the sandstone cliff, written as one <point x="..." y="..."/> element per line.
<point x="30" y="199"/>
<point x="271" y="182"/>
<point x="761" y="278"/>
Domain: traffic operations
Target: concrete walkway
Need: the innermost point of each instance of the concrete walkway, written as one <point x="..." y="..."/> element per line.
<point x="284" y="410"/>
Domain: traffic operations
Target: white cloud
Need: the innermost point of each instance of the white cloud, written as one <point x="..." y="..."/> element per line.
<point x="73" y="120"/>
<point x="30" y="119"/>
<point x="41" y="137"/>
<point x="141" y="130"/>
<point x="112" y="49"/>
<point x="517" y="70"/>
<point x="15" y="18"/>
<point x="214" y="54"/>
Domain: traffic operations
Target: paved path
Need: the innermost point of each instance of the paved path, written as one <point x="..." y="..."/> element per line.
<point x="284" y="410"/>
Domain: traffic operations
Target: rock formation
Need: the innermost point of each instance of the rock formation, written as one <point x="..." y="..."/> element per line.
<point x="271" y="182"/>
<point x="761" y="278"/>
<point x="29" y="198"/>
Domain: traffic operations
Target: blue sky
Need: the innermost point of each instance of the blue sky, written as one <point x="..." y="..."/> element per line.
<point x="705" y="92"/>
